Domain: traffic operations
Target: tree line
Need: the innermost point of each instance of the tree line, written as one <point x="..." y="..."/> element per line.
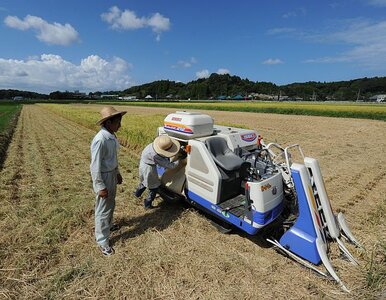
<point x="217" y="86"/>
<point x="10" y="94"/>
<point x="227" y="87"/>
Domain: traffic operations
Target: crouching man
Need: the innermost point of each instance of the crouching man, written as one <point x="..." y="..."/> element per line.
<point x="156" y="153"/>
<point x="105" y="174"/>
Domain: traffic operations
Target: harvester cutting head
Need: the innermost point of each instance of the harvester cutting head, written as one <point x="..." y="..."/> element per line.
<point x="316" y="225"/>
<point x="233" y="175"/>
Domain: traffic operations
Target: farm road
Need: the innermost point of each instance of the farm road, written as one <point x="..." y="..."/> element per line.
<point x="47" y="247"/>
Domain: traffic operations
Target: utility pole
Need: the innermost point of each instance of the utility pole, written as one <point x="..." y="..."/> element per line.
<point x="313" y="96"/>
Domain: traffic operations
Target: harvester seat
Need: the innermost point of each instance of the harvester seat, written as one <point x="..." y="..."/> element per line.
<point x="228" y="164"/>
<point x="222" y="155"/>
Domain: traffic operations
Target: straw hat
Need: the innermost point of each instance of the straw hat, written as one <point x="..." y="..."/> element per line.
<point x="108" y="112"/>
<point x="165" y="146"/>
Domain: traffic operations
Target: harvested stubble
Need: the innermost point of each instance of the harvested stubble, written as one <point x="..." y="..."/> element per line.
<point x="47" y="248"/>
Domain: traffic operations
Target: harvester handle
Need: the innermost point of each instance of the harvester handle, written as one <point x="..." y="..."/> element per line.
<point x="286" y="153"/>
<point x="273" y="154"/>
<point x="275" y="145"/>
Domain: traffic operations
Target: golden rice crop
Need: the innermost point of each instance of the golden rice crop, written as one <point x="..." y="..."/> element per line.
<point x="136" y="131"/>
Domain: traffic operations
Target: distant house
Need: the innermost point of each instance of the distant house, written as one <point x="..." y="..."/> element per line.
<point x="258" y="96"/>
<point x="282" y="98"/>
<point x="297" y="99"/>
<point x="77" y="94"/>
<point x="109" y="96"/>
<point x="378" y="98"/>
<point x="148" y="97"/>
<point x="18" y="98"/>
<point x="127" y="98"/>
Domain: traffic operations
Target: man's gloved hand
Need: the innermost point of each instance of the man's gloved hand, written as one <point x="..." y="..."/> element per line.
<point x="182" y="153"/>
<point x="174" y="158"/>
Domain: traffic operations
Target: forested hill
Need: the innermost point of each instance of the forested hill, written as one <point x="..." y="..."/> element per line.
<point x="221" y="86"/>
<point x="10" y="94"/>
<point x="230" y="87"/>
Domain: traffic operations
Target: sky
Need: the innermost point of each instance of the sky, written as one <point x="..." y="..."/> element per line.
<point x="103" y="45"/>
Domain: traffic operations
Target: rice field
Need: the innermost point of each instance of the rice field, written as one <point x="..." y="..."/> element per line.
<point x="135" y="133"/>
<point x="374" y="111"/>
<point x="47" y="247"/>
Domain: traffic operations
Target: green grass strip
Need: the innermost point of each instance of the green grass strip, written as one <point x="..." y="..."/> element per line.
<point x="9" y="114"/>
<point x="7" y="111"/>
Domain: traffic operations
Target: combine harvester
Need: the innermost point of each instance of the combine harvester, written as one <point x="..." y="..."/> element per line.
<point x="233" y="175"/>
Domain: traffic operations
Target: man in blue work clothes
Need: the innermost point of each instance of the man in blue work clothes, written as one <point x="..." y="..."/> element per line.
<point x="105" y="174"/>
<point x="156" y="153"/>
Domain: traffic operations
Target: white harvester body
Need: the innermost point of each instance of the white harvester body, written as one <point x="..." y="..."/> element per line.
<point x="233" y="175"/>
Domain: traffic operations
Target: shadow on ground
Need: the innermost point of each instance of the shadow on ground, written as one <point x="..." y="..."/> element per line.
<point x="159" y="218"/>
<point x="167" y="212"/>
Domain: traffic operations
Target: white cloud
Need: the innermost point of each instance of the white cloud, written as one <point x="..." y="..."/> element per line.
<point x="222" y="71"/>
<point x="379" y="3"/>
<point x="55" y="33"/>
<point x="128" y="20"/>
<point x="364" y="41"/>
<point x="123" y="19"/>
<point x="295" y="13"/>
<point x="281" y="30"/>
<point x="202" y="74"/>
<point x="334" y="5"/>
<point x="367" y="42"/>
<point x="361" y="33"/>
<point x="290" y="14"/>
<point x="327" y="59"/>
<point x="272" y="61"/>
<point x="205" y="73"/>
<point x="185" y="63"/>
<point x="158" y="23"/>
<point x="51" y="72"/>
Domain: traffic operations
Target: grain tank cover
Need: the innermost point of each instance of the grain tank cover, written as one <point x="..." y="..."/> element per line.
<point x="188" y="125"/>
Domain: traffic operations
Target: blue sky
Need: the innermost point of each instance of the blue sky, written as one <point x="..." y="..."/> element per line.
<point x="89" y="45"/>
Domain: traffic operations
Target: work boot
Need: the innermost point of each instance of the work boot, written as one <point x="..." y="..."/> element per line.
<point x="148" y="204"/>
<point x="139" y="191"/>
<point x="149" y="199"/>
